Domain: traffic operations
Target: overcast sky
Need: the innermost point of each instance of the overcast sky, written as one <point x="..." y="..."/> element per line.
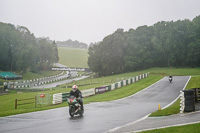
<point x="91" y="20"/>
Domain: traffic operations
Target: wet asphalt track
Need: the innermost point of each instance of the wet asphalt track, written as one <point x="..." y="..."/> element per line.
<point x="98" y="117"/>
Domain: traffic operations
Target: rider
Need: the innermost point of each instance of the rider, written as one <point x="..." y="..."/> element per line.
<point x="77" y="93"/>
<point x="170" y="76"/>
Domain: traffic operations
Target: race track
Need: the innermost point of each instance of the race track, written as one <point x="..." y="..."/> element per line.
<point x="98" y="117"/>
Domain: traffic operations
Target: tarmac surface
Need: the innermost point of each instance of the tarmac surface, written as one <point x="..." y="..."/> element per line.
<point x="98" y="117"/>
<point x="51" y="85"/>
<point x="151" y="123"/>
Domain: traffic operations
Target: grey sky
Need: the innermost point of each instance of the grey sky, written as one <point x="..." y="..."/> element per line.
<point x="91" y="20"/>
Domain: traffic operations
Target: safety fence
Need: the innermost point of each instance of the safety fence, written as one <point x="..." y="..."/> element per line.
<point x="190" y="100"/>
<point x="39" y="99"/>
<point x="61" y="97"/>
<point x="19" y="102"/>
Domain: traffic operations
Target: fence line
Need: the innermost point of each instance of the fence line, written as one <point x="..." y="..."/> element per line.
<point x="17" y="104"/>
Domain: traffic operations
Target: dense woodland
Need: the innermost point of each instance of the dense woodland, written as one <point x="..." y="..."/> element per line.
<point x="165" y="44"/>
<point x="21" y="51"/>
<point x="72" y="44"/>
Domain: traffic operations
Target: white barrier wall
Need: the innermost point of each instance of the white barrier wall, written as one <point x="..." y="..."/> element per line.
<point x="57" y="98"/>
<point x="112" y="87"/>
<point x="89" y="92"/>
<point x="124" y="82"/>
<point x="119" y="84"/>
<point x="136" y="78"/>
<point x="133" y="80"/>
<point x="129" y="81"/>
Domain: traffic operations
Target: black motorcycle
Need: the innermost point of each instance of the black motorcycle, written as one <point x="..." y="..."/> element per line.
<point x="74" y="106"/>
<point x="170" y="79"/>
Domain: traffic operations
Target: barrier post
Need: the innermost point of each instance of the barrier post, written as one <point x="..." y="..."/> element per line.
<point x="35" y="101"/>
<point x="15" y="103"/>
<point x="159" y="108"/>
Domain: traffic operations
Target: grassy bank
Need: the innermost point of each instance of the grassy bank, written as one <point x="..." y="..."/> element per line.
<point x="72" y="57"/>
<point x="193" y="128"/>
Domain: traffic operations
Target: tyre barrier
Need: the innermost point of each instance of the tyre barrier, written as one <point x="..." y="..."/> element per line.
<point x="189" y="100"/>
<point x="62" y="97"/>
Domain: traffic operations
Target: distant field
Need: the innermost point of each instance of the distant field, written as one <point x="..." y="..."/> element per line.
<point x="72" y="57"/>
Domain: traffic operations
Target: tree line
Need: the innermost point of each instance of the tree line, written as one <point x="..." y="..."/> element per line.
<point x="21" y="51"/>
<point x="72" y="44"/>
<point x="164" y="44"/>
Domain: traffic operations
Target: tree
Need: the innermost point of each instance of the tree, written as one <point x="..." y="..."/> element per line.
<point x="162" y="45"/>
<point x="21" y="51"/>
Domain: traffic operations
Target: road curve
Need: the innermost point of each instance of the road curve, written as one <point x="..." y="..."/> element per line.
<point x="98" y="117"/>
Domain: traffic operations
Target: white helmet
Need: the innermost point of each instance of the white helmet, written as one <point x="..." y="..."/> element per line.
<point x="74" y="88"/>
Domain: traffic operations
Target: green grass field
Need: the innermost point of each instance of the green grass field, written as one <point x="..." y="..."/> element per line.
<point x="73" y="57"/>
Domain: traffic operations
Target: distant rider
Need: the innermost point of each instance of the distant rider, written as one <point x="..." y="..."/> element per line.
<point x="170" y="78"/>
<point x="77" y="93"/>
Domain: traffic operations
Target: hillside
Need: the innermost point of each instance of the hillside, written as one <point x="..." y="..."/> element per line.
<point x="73" y="57"/>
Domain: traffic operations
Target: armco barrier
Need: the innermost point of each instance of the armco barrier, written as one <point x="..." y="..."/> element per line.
<point x="65" y="96"/>
<point x="61" y="97"/>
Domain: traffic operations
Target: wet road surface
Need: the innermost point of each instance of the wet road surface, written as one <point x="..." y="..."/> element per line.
<point x="98" y="117"/>
<point x="151" y="123"/>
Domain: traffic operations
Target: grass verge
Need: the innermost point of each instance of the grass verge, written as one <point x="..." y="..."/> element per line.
<point x="192" y="128"/>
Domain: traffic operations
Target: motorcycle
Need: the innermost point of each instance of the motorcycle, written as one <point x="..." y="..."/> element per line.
<point x="74" y="106"/>
<point x="170" y="79"/>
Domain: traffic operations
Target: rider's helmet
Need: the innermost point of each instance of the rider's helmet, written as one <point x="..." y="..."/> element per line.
<point x="74" y="88"/>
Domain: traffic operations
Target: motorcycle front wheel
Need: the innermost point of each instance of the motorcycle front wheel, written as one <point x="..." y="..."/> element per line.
<point x="71" y="111"/>
<point x="82" y="111"/>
